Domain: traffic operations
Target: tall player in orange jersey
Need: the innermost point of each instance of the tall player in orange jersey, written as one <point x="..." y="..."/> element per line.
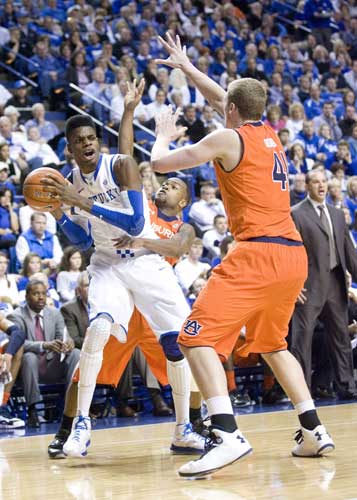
<point x="258" y="282"/>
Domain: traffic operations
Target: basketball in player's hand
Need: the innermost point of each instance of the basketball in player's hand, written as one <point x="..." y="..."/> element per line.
<point x="36" y="194"/>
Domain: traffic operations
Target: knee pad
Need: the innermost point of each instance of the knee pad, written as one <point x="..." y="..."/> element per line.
<point x="170" y="346"/>
<point x="98" y="334"/>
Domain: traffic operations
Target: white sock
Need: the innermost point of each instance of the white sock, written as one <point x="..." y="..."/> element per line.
<point x="219" y="405"/>
<point x="90" y="362"/>
<point x="179" y="375"/>
<point x="305" y="406"/>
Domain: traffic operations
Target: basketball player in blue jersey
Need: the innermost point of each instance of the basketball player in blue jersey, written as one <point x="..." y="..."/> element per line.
<point x="107" y="200"/>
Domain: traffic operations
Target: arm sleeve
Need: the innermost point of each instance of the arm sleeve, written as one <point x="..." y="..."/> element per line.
<point x="17" y="339"/>
<point x="130" y="218"/>
<point x="76" y="234"/>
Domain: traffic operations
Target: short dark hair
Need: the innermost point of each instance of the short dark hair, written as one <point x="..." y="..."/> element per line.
<point x="33" y="283"/>
<point x="78" y="121"/>
<point x="218" y="216"/>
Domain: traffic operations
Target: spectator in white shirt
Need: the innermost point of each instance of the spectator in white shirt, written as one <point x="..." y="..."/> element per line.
<point x="25" y="213"/>
<point x="351" y="77"/>
<point x="190" y="268"/>
<point x="38" y="240"/>
<point x="70" y="269"/>
<point x="213" y="237"/>
<point x="156" y="107"/>
<point x="36" y="147"/>
<point x="203" y="212"/>
<point x="8" y="286"/>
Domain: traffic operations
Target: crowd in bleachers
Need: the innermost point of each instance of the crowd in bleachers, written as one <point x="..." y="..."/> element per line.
<point x="305" y="53"/>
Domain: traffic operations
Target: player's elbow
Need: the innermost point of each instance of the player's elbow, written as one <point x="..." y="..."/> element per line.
<point x="83" y="245"/>
<point x="158" y="166"/>
<point x="136" y="226"/>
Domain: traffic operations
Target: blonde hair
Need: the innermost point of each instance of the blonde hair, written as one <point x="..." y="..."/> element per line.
<point x="350" y="181"/>
<point x="249" y="97"/>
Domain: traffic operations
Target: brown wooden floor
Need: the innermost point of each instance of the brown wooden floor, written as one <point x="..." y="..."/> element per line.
<point x="134" y="463"/>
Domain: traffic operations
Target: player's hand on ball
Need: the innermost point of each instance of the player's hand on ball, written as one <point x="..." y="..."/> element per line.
<point x="134" y="94"/>
<point x="128" y="242"/>
<point x="62" y="189"/>
<point x="166" y="125"/>
<point x="178" y="57"/>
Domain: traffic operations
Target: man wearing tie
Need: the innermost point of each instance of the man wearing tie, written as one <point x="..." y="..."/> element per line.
<point x="42" y="360"/>
<point x="330" y="253"/>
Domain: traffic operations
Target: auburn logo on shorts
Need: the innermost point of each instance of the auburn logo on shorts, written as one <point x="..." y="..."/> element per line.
<point x="192" y="327"/>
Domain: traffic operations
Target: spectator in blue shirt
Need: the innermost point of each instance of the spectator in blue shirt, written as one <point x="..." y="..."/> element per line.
<point x="349" y="98"/>
<point x="352" y="141"/>
<point x="343" y="156"/>
<point x="9" y="223"/>
<point x="309" y="139"/>
<point x="313" y="105"/>
<point x="318" y="14"/>
<point x="331" y="94"/>
<point x="47" y="68"/>
<point x="48" y="130"/>
<point x="327" y="146"/>
<point x="4" y="179"/>
<point x="351" y="198"/>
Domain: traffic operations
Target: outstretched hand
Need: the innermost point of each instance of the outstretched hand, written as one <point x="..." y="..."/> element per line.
<point x="166" y="125"/>
<point x="134" y="94"/>
<point x="177" y="54"/>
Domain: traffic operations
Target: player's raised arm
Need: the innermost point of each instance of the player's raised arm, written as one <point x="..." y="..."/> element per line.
<point x="126" y="133"/>
<point x="222" y="145"/>
<point x="210" y="90"/>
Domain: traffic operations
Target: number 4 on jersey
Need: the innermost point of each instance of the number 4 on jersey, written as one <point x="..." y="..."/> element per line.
<point x="280" y="171"/>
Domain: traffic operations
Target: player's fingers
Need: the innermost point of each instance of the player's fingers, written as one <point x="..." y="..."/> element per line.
<point x="177" y="114"/>
<point x="178" y="42"/>
<point x="167" y="62"/>
<point x="164" y="43"/>
<point x="170" y="41"/>
<point x="56" y="179"/>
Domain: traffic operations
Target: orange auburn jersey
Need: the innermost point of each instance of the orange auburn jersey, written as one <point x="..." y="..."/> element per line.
<point x="164" y="226"/>
<point x="256" y="192"/>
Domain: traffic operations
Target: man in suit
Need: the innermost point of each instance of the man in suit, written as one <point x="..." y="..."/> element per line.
<point x="44" y="344"/>
<point x="75" y="312"/>
<point x="330" y="253"/>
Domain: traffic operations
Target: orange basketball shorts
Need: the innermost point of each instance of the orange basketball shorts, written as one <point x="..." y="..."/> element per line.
<point x="116" y="356"/>
<point x="256" y="286"/>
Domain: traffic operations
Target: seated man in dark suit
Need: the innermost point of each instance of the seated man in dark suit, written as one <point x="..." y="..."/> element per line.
<point x="75" y="312"/>
<point x="44" y="345"/>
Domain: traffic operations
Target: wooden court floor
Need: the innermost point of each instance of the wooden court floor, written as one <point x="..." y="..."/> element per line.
<point x="135" y="463"/>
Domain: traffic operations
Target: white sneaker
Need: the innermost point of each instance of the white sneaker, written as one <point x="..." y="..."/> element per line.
<point x="224" y="448"/>
<point x="7" y="421"/>
<point x="315" y="443"/>
<point x="79" y="440"/>
<point x="187" y="442"/>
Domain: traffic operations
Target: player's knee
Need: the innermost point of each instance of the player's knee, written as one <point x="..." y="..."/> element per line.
<point x="170" y="346"/>
<point x="98" y="334"/>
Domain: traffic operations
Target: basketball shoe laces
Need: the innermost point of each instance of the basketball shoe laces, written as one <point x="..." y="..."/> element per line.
<point x="80" y="426"/>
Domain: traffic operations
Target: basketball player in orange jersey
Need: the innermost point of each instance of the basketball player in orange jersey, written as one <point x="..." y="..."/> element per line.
<point x="259" y="281"/>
